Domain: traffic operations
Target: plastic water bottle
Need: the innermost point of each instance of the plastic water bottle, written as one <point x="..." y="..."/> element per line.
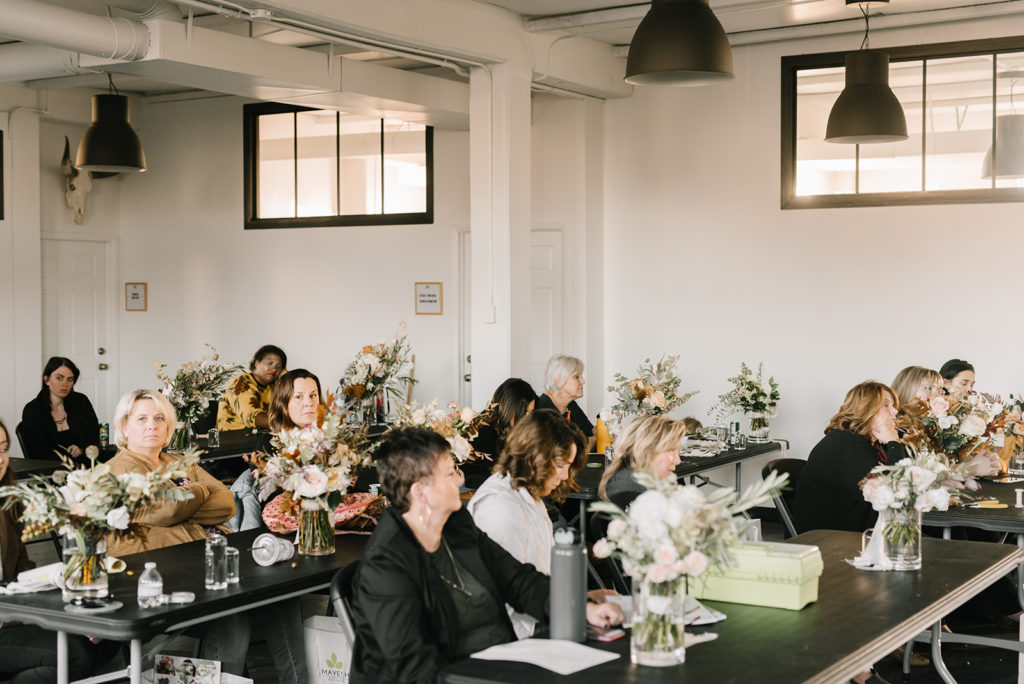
<point x="151" y="587"/>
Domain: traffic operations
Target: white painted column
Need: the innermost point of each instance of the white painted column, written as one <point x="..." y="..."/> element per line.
<point x="499" y="151"/>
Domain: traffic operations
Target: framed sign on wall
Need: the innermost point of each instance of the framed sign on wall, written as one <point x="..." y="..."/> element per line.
<point x="429" y="299"/>
<point x="136" y="297"/>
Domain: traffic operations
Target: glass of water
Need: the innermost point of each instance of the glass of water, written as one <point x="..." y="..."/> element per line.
<point x="231" y="565"/>
<point x="216" y="562"/>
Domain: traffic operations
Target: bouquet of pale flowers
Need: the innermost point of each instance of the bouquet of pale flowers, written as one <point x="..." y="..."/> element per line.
<point x="673" y="530"/>
<point x="382" y="367"/>
<point x="654" y="390"/>
<point x="314" y="465"/>
<point x="750" y="394"/>
<point x="457" y="424"/>
<point x="196" y="383"/>
<point x="958" y="427"/>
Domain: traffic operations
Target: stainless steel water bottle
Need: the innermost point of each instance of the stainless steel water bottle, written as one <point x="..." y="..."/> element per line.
<point x="568" y="588"/>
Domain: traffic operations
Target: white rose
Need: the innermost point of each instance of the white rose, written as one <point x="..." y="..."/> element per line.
<point x="946" y="422"/>
<point x="311" y="483"/>
<point x="973" y="426"/>
<point x="118" y="518"/>
<point x="467" y="414"/>
<point x="921" y="477"/>
<point x="656" y="400"/>
<point x="882" y="497"/>
<point x="665" y="554"/>
<point x="616" y="528"/>
<point x="419" y="416"/>
<point x="696" y="563"/>
<point x="460" y="448"/>
<point x="602" y="549"/>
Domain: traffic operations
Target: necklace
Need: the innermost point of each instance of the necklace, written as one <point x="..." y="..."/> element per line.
<point x="461" y="586"/>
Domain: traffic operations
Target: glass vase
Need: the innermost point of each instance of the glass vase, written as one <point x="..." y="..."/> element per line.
<point x="658" y="638"/>
<point x="182" y="439"/>
<point x="84" y="575"/>
<point x="902" y="538"/>
<point x="760" y="430"/>
<point x="315" y="536"/>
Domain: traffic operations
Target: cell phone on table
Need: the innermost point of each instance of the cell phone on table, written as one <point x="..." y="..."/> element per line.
<point x="605" y="633"/>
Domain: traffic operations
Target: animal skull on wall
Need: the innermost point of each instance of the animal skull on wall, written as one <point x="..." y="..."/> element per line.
<point x="79" y="184"/>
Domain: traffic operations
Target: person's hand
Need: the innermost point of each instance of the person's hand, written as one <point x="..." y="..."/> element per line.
<point x="74" y="451"/>
<point x="604" y="615"/>
<point x="985" y="463"/>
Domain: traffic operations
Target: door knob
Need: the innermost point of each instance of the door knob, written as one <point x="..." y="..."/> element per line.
<point x="101" y="351"/>
<point x="467" y="377"/>
<point x="104" y="366"/>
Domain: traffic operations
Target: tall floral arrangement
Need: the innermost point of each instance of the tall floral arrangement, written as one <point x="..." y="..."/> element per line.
<point x="654" y="389"/>
<point x="195" y="384"/>
<point x="314" y="466"/>
<point x="750" y="394"/>
<point x="457" y="424"/>
<point x="382" y="368"/>
<point x="955" y="426"/>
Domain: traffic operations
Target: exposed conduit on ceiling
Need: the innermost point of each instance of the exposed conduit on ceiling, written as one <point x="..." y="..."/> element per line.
<point x="45" y="24"/>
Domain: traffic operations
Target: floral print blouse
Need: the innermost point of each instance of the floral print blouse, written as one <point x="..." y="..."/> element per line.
<point x="241" y="402"/>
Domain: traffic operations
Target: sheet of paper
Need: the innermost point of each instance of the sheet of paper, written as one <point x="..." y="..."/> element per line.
<point x="559" y="656"/>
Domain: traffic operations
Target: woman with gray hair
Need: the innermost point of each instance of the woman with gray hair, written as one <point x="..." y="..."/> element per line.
<point x="563" y="385"/>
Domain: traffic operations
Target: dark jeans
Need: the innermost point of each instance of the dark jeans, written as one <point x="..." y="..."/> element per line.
<point x="28" y="655"/>
<point x="227" y="640"/>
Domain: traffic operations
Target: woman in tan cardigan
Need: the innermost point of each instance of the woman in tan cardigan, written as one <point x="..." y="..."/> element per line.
<point x="142" y="428"/>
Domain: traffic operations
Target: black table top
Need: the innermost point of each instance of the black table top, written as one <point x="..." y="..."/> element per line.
<point x="590" y="477"/>
<point x="1009" y="519"/>
<point x="182" y="570"/>
<point x="859" y="617"/>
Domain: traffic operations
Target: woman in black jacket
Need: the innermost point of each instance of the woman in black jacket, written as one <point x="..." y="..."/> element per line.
<point x="859" y="437"/>
<point x="59" y="418"/>
<point x="513" y="399"/>
<point x="431" y="587"/>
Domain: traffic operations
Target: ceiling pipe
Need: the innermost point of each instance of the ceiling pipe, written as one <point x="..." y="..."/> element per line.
<point x="46" y="24"/>
<point x="27" y="61"/>
<point x="148" y="9"/>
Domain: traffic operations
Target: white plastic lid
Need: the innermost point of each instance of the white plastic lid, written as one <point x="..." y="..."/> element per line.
<point x="150" y="564"/>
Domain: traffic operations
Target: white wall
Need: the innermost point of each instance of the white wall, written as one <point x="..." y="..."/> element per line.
<point x="319" y="293"/>
<point x="701" y="261"/>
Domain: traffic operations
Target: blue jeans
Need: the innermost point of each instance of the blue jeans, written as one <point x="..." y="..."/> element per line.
<point x="227" y="640"/>
<point x="28" y="655"/>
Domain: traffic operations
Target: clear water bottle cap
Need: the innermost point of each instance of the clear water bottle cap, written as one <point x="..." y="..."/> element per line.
<point x="150" y="564"/>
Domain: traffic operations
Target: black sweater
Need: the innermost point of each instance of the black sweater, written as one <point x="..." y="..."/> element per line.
<point x="828" y="495"/>
<point x="405" y="620"/>
<point x="40" y="432"/>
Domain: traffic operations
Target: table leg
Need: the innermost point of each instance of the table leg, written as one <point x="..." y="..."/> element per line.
<point x="62" y="658"/>
<point x="937" y="661"/>
<point x="947" y="532"/>
<point x="135" y="664"/>
<point x="739" y="479"/>
<point x="583" y="521"/>
<point x="1020" y="575"/>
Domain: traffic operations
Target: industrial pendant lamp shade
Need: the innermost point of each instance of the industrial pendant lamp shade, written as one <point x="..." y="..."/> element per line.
<point x="1009" y="148"/>
<point x="110" y="144"/>
<point x="867" y="111"/>
<point x="679" y="43"/>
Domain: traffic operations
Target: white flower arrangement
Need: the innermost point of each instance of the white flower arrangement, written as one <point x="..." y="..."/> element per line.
<point x="457" y="424"/>
<point x="750" y="394"/>
<point x="673" y="530"/>
<point x="654" y="390"/>
<point x="379" y="368"/>
<point x="195" y="384"/>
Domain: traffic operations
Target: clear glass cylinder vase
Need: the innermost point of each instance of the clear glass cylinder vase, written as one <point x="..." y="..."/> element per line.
<point x="84" y="576"/>
<point x="760" y="428"/>
<point x="658" y="637"/>
<point x="182" y="439"/>
<point x="315" y="536"/>
<point x="902" y="539"/>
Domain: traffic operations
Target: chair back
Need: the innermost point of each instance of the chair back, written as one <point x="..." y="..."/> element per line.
<point x="21" y="440"/>
<point x="784" y="500"/>
<point x="203" y="425"/>
<point x="341" y="599"/>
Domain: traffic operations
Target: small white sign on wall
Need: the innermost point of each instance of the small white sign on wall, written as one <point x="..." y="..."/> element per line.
<point x="136" y="297"/>
<point x="429" y="299"/>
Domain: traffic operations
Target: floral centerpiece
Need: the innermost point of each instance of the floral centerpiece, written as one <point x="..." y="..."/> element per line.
<point x="752" y="395"/>
<point x="957" y="427"/>
<point x="86" y="505"/>
<point x="379" y="370"/>
<point x="901" y="492"/>
<point x="314" y="466"/>
<point x="669" y="533"/>
<point x="653" y="391"/>
<point x="190" y="391"/>
<point x="457" y="424"/>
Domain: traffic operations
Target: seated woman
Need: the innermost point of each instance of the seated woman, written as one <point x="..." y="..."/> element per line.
<point x="246" y="400"/>
<point x="543" y="455"/>
<point x="431" y="587"/>
<point x="59" y="418"/>
<point x="513" y="399"/>
<point x="648" y="444"/>
<point x="28" y="654"/>
<point x="957" y="377"/>
<point x="861" y="435"/>
<point x="563" y="385"/>
<point x="916" y="382"/>
<point x="142" y="429"/>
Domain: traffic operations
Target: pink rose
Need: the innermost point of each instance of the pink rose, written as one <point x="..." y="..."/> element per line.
<point x="602" y="549"/>
<point x="939" y="405"/>
<point x="696" y="563"/>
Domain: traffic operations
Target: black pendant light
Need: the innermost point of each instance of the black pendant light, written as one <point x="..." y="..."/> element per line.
<point x="679" y="43"/>
<point x="109" y="144"/>
<point x="867" y="110"/>
<point x="1009" y="139"/>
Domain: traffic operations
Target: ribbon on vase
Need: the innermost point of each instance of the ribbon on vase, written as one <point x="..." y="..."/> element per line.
<point x="873" y="556"/>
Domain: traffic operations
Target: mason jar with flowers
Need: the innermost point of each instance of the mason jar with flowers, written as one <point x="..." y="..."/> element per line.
<point x="671" y="533"/>
<point x="653" y="391"/>
<point x="379" y="373"/>
<point x="753" y="396"/>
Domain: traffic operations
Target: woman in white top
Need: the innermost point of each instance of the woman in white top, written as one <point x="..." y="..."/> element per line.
<point x="541" y="458"/>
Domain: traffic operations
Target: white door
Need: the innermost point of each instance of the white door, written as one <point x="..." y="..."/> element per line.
<point x="464" y="365"/>
<point x="78" y="317"/>
<point x="546" y="312"/>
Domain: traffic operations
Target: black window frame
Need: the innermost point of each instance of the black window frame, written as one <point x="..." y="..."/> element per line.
<point x="792" y="64"/>
<point x="250" y="155"/>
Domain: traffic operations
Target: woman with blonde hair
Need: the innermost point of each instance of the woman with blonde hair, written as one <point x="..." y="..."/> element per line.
<point x="861" y="435"/>
<point x="916" y="382"/>
<point x="648" y="444"/>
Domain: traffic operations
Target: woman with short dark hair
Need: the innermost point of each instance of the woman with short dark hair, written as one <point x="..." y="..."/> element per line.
<point x="59" y="419"/>
<point x="431" y="587"/>
<point x="958" y="377"/>
<point x="246" y="399"/>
